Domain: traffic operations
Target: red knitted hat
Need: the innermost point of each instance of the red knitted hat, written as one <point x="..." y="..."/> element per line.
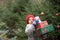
<point x="29" y="16"/>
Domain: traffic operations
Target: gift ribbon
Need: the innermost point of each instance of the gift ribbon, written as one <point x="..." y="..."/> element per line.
<point x="44" y="30"/>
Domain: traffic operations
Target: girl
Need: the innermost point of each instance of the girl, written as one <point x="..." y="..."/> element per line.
<point x="29" y="27"/>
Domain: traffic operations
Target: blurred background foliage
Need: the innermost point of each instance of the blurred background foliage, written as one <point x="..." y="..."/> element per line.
<point x="13" y="14"/>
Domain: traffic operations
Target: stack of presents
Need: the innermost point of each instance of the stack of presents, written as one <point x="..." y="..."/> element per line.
<point x="42" y="28"/>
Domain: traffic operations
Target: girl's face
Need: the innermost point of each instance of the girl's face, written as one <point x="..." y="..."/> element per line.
<point x="30" y="20"/>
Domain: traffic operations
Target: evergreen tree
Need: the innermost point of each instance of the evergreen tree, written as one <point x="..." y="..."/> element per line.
<point x="13" y="15"/>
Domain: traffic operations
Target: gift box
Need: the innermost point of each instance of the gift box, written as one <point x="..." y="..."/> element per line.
<point x="40" y="25"/>
<point x="45" y="23"/>
<point x="45" y="30"/>
<point x="36" y="35"/>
